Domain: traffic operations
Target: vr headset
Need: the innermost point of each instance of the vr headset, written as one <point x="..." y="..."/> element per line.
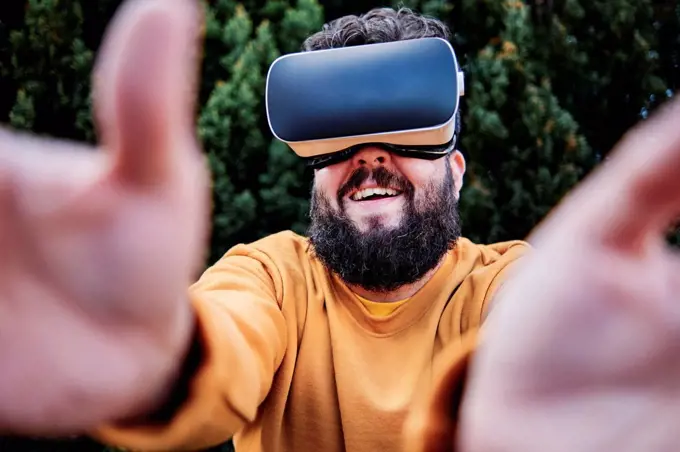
<point x="403" y="96"/>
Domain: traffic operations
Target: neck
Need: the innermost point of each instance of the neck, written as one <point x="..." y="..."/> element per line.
<point x="401" y="293"/>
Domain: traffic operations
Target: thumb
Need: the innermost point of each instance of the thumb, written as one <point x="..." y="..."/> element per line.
<point x="145" y="88"/>
<point x="635" y="195"/>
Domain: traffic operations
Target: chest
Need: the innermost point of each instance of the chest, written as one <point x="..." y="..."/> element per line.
<point x="348" y="379"/>
<point x="358" y="382"/>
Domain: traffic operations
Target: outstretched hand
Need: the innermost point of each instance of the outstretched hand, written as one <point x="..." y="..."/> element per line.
<point x="582" y="350"/>
<point x="100" y="245"/>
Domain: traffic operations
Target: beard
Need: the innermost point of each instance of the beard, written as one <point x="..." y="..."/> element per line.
<point x="384" y="259"/>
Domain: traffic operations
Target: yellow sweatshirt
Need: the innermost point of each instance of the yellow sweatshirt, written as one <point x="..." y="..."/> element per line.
<point x="292" y="360"/>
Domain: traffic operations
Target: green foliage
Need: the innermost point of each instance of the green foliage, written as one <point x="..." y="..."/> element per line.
<point x="258" y="185"/>
<point x="49" y="60"/>
<point x="551" y="86"/>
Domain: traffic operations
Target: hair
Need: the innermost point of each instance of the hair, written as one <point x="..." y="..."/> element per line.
<point x="378" y="25"/>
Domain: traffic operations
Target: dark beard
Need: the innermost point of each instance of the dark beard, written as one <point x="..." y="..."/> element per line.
<point x="382" y="259"/>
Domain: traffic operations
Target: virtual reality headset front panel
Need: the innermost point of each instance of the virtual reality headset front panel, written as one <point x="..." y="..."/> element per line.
<point x="403" y="93"/>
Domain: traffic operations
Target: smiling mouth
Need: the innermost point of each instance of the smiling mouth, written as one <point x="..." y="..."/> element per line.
<point x="370" y="194"/>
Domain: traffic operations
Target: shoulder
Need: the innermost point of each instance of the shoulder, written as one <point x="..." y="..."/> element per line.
<point x="490" y="263"/>
<point x="483" y="268"/>
<point x="284" y="246"/>
<point x="280" y="255"/>
<point x="266" y="264"/>
<point x="497" y="255"/>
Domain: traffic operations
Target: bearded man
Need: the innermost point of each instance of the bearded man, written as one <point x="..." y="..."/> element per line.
<point x="322" y="342"/>
<point x="355" y="338"/>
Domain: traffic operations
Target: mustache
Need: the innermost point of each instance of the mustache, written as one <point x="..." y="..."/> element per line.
<point x="381" y="176"/>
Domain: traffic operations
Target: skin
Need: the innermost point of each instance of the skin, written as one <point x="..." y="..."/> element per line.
<point x="100" y="245"/>
<point x="389" y="211"/>
<point x="580" y="352"/>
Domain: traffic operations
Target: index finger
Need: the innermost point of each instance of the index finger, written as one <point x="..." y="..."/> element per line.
<point x="635" y="195"/>
<point x="145" y="88"/>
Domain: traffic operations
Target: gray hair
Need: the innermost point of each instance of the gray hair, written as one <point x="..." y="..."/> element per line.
<point x="376" y="26"/>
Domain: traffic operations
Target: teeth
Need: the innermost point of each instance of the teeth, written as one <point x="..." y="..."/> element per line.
<point x="366" y="192"/>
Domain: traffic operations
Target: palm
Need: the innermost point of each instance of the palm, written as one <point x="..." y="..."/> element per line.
<point x="581" y="351"/>
<point x="100" y="245"/>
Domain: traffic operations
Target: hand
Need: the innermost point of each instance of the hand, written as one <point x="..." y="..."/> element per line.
<point x="99" y="246"/>
<point x="582" y="350"/>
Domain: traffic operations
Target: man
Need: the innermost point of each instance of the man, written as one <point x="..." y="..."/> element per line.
<point x="330" y="343"/>
<point x="322" y="343"/>
<point x="289" y="343"/>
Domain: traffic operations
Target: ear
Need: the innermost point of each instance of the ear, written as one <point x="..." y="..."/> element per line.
<point x="457" y="162"/>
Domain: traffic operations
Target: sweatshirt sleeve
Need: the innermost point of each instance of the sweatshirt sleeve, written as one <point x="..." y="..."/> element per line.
<point x="239" y="344"/>
<point x="431" y="424"/>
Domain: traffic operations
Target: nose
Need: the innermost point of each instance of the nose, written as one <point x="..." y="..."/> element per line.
<point x="371" y="157"/>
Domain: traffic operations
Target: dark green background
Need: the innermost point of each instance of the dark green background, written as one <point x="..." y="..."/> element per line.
<point x="551" y="87"/>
